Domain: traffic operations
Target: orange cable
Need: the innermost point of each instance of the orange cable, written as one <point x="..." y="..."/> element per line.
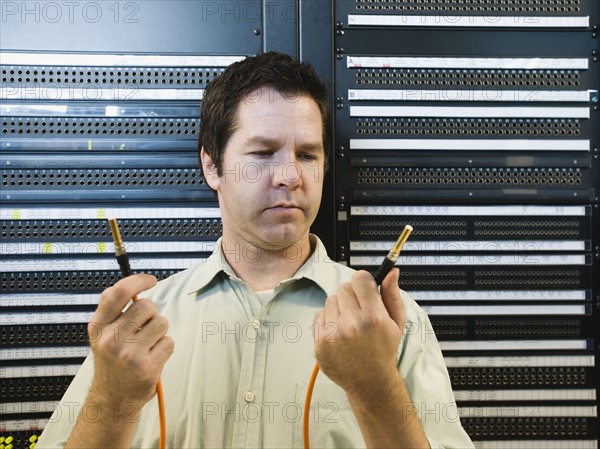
<point x="309" y="392"/>
<point x="162" y="442"/>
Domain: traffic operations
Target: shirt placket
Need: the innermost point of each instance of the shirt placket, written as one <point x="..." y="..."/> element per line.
<point x="252" y="375"/>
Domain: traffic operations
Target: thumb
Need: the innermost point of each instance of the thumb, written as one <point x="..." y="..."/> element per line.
<point x="392" y="297"/>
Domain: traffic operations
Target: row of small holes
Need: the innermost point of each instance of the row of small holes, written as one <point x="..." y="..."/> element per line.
<point x="95" y="126"/>
<point x="525" y="427"/>
<point x="109" y="76"/>
<point x="469" y="176"/>
<point x="439" y="233"/>
<point x="537" y="283"/>
<point x="469" y="127"/>
<point x="437" y="9"/>
<point x="534" y="332"/>
<point x="150" y="228"/>
<point x="68" y="280"/>
<point x="40" y="388"/>
<point x="528" y="233"/>
<point x="449" y="77"/>
<point x="129" y="178"/>
<point x="45" y="336"/>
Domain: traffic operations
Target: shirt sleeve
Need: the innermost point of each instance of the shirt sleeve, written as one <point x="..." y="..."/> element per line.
<point x="422" y="366"/>
<point x="62" y="422"/>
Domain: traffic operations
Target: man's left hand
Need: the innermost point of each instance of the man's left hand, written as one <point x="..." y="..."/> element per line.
<point x="357" y="334"/>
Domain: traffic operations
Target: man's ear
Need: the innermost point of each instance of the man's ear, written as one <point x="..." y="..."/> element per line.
<point x="209" y="169"/>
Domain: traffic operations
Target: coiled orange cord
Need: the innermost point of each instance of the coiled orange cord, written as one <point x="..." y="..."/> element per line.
<point x="123" y="260"/>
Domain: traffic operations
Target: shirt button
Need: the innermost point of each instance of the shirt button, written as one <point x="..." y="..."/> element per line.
<point x="255" y="324"/>
<point x="249" y="396"/>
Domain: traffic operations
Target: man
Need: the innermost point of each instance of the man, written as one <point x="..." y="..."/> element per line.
<point x="247" y="326"/>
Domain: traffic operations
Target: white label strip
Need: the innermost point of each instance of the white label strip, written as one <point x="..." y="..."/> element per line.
<point x="527" y="21"/>
<point x="531" y="411"/>
<point x="28" y="407"/>
<point x="496" y="295"/>
<point x="91" y="213"/>
<point x="433" y="62"/>
<point x="562" y="310"/>
<point x="469" y="111"/>
<point x="104" y="60"/>
<point x="482" y="245"/>
<point x="536" y="444"/>
<point x="24" y="425"/>
<point x="513" y="345"/>
<point x="52" y="264"/>
<point x="16" y="318"/>
<point x="47" y="299"/>
<point x="461" y="211"/>
<point x="93" y="92"/>
<point x="520" y="361"/>
<point x="526" y="395"/>
<point x="582" y="96"/>
<point x="471" y="144"/>
<point x="38" y="371"/>
<point x="15" y="249"/>
<point x="490" y="259"/>
<point x="57" y="352"/>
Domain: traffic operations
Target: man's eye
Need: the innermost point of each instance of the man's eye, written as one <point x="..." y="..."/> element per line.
<point x="308" y="157"/>
<point x="263" y="153"/>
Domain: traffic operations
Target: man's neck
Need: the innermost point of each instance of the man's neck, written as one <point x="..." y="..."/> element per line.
<point x="261" y="267"/>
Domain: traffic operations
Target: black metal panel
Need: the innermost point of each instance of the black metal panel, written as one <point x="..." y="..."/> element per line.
<point x="147" y="26"/>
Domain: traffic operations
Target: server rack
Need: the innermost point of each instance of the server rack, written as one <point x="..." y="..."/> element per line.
<point x="477" y="123"/>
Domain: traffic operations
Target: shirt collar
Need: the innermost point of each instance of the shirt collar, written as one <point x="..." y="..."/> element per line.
<point x="317" y="268"/>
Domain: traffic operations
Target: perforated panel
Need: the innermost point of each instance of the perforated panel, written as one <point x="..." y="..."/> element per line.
<point x="456" y="117"/>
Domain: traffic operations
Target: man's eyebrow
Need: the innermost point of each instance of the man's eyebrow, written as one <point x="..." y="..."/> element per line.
<point x="272" y="143"/>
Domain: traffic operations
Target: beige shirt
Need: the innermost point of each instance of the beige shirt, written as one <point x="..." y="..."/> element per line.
<point x="239" y="372"/>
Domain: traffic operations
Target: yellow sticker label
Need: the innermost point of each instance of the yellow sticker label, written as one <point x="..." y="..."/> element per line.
<point x="101" y="247"/>
<point x="47" y="248"/>
<point x="16" y="214"/>
<point x="101" y="214"/>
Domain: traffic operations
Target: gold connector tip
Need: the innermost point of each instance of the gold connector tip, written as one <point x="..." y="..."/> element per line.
<point x="402" y="240"/>
<point x="114" y="230"/>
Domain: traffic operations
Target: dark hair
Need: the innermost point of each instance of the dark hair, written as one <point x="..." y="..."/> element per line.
<point x="223" y="95"/>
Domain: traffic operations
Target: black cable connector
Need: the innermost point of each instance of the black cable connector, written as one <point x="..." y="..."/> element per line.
<point x="391" y="258"/>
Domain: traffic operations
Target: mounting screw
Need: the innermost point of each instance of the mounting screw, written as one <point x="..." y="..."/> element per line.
<point x="339" y="24"/>
<point x="339" y="32"/>
<point x="256" y="31"/>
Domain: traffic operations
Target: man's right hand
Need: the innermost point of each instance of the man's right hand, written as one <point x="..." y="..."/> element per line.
<point x="130" y="348"/>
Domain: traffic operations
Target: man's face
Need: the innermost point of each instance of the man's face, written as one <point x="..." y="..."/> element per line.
<point x="272" y="179"/>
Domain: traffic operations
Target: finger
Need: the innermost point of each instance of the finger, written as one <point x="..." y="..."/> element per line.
<point x="346" y="299"/>
<point x="392" y="297"/>
<point x="162" y="350"/>
<point x="115" y="298"/>
<point x="331" y="311"/>
<point x="365" y="289"/>
<point x="153" y="331"/>
<point x="136" y="316"/>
